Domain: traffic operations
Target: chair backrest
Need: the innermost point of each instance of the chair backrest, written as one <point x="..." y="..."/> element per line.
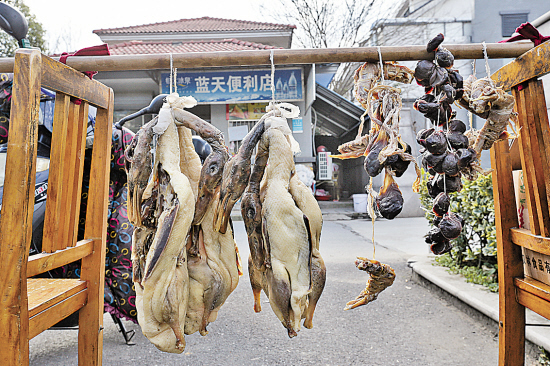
<point x="19" y="299"/>
<point x="517" y="291"/>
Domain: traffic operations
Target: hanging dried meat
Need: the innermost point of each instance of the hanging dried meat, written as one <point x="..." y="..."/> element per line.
<point x="449" y="151"/>
<point x="184" y="270"/>
<point x="283" y="223"/>
<point x="484" y="99"/>
<point x="382" y="147"/>
<point x="381" y="277"/>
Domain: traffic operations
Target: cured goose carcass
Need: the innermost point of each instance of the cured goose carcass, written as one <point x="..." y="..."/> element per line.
<point x="162" y="213"/>
<point x="213" y="273"/>
<point x="180" y="284"/>
<point x="280" y="261"/>
<point x="213" y="261"/>
<point x="287" y="237"/>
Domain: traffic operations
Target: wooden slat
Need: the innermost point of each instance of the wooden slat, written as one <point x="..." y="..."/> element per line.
<point x="540" y="171"/>
<point x="70" y="178"/>
<point x="527" y="162"/>
<point x="90" y="338"/>
<point x="43" y="262"/>
<point x="534" y="287"/>
<point x="531" y="64"/>
<point x="524" y="238"/>
<point x="543" y="131"/>
<point x="533" y="302"/>
<point x="44" y="292"/>
<point x="80" y="140"/>
<point x="64" y="79"/>
<point x="51" y="240"/>
<point x="58" y="311"/>
<point x="17" y="208"/>
<point x="511" y="314"/>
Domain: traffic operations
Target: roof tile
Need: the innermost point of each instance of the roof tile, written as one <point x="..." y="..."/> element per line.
<point x="204" y="24"/>
<point x="139" y="47"/>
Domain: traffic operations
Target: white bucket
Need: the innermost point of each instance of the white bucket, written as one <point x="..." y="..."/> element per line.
<point x="360" y="202"/>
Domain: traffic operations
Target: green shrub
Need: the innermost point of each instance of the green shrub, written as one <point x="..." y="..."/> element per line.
<point x="474" y="252"/>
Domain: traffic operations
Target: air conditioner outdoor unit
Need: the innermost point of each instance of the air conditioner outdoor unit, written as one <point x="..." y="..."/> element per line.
<point x="324" y="166"/>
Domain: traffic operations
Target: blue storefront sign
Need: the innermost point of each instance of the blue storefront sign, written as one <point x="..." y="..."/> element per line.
<point x="237" y="86"/>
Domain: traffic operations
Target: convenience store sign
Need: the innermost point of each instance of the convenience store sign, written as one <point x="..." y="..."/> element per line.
<point x="237" y="86"/>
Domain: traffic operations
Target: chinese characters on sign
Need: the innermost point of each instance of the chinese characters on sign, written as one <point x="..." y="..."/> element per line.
<point x="238" y="85"/>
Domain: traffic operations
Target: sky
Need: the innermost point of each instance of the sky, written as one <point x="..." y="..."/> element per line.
<point x="79" y="18"/>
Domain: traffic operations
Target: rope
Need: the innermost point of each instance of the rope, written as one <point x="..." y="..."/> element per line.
<point x="381" y="63"/>
<point x="487" y="68"/>
<point x="272" y="77"/>
<point x="171" y="74"/>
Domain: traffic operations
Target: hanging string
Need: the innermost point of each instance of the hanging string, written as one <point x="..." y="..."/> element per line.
<point x="487" y="68"/>
<point x="272" y="76"/>
<point x="372" y="213"/>
<point x="381" y="63"/>
<point x="171" y="74"/>
<point x="176" y="80"/>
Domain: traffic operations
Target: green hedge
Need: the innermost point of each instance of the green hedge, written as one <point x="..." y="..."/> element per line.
<point x="474" y="252"/>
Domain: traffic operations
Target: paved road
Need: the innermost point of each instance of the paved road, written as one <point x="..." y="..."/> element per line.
<point x="407" y="325"/>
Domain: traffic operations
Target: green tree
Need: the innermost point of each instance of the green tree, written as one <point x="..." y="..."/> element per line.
<point x="36" y="34"/>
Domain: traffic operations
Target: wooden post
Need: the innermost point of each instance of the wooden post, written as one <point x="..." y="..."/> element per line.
<point x="511" y="314"/>
<point x="17" y="209"/>
<point x="90" y="335"/>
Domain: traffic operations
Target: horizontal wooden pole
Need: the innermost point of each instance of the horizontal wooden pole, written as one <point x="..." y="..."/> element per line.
<point x="282" y="57"/>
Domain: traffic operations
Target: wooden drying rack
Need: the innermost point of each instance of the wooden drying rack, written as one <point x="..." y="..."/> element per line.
<point x="33" y="70"/>
<point x="517" y="292"/>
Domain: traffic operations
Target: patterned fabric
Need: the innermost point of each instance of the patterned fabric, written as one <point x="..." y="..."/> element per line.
<point x="120" y="294"/>
<point x="5" y="100"/>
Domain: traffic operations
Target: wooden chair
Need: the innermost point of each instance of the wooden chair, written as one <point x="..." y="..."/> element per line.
<point x="28" y="306"/>
<point x="517" y="292"/>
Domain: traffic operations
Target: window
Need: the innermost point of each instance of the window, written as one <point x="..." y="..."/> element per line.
<point x="512" y="20"/>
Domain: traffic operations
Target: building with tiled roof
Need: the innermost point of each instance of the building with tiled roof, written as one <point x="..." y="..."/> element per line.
<point x="205" y="28"/>
<point x="230" y="98"/>
<point x="150" y="47"/>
